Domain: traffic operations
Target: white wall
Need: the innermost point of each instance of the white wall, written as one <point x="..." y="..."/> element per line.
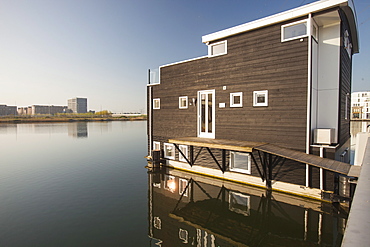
<point x="328" y="77"/>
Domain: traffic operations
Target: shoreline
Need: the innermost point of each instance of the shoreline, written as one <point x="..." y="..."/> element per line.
<point x="67" y="119"/>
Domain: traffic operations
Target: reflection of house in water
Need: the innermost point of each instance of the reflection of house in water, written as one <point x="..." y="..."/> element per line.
<point x="78" y="129"/>
<point x="186" y="209"/>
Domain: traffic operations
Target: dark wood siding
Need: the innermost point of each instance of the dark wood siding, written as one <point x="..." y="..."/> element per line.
<point x="345" y="86"/>
<point x="256" y="60"/>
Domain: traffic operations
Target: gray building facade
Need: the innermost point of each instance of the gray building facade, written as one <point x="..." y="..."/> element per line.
<point x="78" y="105"/>
<point x="8" y="110"/>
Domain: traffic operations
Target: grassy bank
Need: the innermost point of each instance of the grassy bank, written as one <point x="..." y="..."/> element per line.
<point x="69" y="118"/>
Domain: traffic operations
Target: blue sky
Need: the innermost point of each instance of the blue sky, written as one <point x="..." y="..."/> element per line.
<point x="54" y="50"/>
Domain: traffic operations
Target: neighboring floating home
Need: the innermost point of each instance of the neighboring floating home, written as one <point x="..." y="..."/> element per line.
<point x="269" y="105"/>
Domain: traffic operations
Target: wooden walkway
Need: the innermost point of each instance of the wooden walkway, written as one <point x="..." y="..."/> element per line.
<point x="246" y="146"/>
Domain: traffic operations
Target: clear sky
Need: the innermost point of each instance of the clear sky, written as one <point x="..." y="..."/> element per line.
<point x="53" y="50"/>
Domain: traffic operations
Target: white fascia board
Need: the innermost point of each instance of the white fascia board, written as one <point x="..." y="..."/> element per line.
<point x="183" y="61"/>
<point x="273" y="19"/>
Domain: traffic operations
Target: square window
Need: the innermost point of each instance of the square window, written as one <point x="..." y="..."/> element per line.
<point x="183" y="102"/>
<point x="169" y="151"/>
<point x="156" y="103"/>
<point x="156" y="146"/>
<point x="216" y="49"/>
<point x="260" y="98"/>
<point x="184" y="150"/>
<point x="239" y="203"/>
<point x="236" y="99"/>
<point x="240" y="162"/>
<point x="182" y="186"/>
<point x="294" y="30"/>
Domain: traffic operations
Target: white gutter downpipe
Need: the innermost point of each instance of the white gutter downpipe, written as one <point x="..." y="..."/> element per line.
<point x="309" y="82"/>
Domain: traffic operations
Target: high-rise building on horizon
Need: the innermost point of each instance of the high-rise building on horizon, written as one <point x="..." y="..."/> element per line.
<point x="78" y="105"/>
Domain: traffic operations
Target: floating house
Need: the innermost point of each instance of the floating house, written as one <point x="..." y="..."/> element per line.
<point x="269" y="105"/>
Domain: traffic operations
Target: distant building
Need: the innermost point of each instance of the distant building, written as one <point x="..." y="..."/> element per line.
<point x="6" y="110"/>
<point x="78" y="105"/>
<point x="41" y="110"/>
<point x="360" y="104"/>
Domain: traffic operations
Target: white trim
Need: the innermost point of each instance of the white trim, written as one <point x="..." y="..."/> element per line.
<point x="165" y="145"/>
<point x="277" y="18"/>
<point x="185" y="150"/>
<point x="246" y="171"/>
<point x="255" y="103"/>
<point x="207" y="135"/>
<point x="214" y="44"/>
<point x="181" y="188"/>
<point x="232" y="95"/>
<point x="293" y="24"/>
<point x="187" y="102"/>
<point x="159" y="103"/>
<point x="155" y="143"/>
<point x="183" y="61"/>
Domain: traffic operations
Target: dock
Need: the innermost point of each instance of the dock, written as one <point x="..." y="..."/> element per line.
<point x="358" y="225"/>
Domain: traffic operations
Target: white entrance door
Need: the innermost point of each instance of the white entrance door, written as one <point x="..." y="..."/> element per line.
<point x="206" y="114"/>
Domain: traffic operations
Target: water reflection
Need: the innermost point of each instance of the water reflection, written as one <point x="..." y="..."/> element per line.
<point x="78" y="130"/>
<point x="191" y="210"/>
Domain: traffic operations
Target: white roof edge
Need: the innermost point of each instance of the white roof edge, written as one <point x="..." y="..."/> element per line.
<point x="183" y="61"/>
<point x="276" y="18"/>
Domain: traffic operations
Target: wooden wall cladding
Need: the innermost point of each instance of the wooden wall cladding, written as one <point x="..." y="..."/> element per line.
<point x="256" y="60"/>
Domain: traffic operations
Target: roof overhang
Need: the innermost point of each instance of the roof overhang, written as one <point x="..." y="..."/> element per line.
<point x="346" y="5"/>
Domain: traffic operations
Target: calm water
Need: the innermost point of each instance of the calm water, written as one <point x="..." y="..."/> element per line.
<point x="85" y="184"/>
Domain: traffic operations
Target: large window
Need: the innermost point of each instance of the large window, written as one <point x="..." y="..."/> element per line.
<point x="169" y="151"/>
<point x="184" y="150"/>
<point x="236" y="99"/>
<point x="216" y="49"/>
<point x="240" y="162"/>
<point x="156" y="103"/>
<point x="294" y="30"/>
<point x="260" y="98"/>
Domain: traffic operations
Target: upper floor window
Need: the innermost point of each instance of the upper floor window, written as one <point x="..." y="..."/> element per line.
<point x="156" y="103"/>
<point x="260" y="98"/>
<point x="294" y="30"/>
<point x="216" y="49"/>
<point x="183" y="102"/>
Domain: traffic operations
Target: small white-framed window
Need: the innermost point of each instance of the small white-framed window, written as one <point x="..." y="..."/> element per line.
<point x="240" y="162"/>
<point x="184" y="150"/>
<point x="157" y="103"/>
<point x="294" y="30"/>
<point x="170" y="183"/>
<point x="260" y="98"/>
<point x="182" y="186"/>
<point x="183" y="102"/>
<point x="169" y="151"/>
<point x="157" y="223"/>
<point x="216" y="49"/>
<point x="239" y="203"/>
<point x="236" y="99"/>
<point x="183" y="235"/>
<point x="156" y="145"/>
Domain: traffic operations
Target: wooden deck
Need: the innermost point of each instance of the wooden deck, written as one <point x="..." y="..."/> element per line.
<point x="233" y="145"/>
<point x="246" y="146"/>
